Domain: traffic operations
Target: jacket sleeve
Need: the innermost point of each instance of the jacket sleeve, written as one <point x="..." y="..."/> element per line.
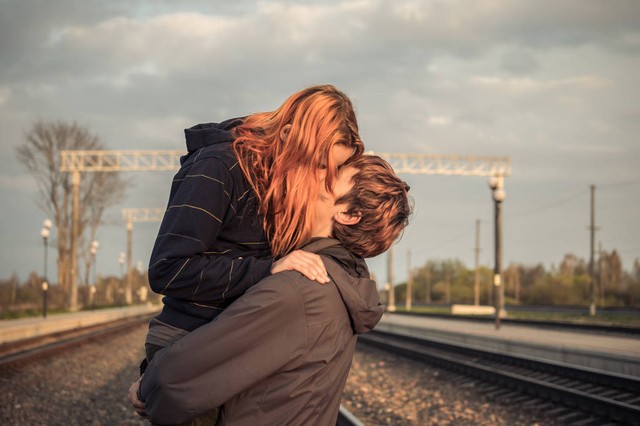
<point x="181" y="265"/>
<point x="253" y="338"/>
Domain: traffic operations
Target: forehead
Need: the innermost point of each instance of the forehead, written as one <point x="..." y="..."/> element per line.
<point x="340" y="153"/>
<point x="344" y="181"/>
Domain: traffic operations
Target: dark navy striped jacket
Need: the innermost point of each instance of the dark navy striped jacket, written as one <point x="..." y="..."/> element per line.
<point x="211" y="245"/>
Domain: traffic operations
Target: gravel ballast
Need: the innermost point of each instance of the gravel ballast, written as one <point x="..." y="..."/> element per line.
<point x="386" y="389"/>
<point x="88" y="386"/>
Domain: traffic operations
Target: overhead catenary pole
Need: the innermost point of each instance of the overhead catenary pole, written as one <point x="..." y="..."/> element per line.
<point x="498" y="262"/>
<point x="592" y="229"/>
<point x="600" y="274"/>
<point x="93" y="250"/>
<point x="476" y="286"/>
<point x="391" y="304"/>
<point x="409" y="301"/>
<point x="127" y="281"/>
<point x="75" y="235"/>
<point x="131" y="215"/>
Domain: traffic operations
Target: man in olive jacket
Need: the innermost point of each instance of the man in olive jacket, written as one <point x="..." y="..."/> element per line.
<point x="281" y="353"/>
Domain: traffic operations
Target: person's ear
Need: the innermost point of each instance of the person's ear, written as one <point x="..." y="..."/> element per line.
<point x="345" y="218"/>
<point x="284" y="132"/>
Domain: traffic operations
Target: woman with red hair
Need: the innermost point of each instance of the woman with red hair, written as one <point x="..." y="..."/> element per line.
<point x="238" y="209"/>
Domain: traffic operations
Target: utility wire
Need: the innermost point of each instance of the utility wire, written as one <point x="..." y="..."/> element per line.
<point x="449" y="241"/>
<point x="551" y="205"/>
<point x="576" y="196"/>
<point x="619" y="184"/>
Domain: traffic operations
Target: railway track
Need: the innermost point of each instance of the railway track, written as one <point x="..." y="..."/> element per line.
<point x="619" y="330"/>
<point x="34" y="348"/>
<point x="25" y="351"/>
<point x="574" y="391"/>
<point x="345" y="418"/>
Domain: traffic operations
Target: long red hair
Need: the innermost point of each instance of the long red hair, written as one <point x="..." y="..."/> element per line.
<point x="284" y="172"/>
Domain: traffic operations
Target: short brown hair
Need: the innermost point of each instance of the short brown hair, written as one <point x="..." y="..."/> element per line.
<point x="381" y="200"/>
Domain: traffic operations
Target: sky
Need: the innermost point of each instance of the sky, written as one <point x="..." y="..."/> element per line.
<point x="553" y="85"/>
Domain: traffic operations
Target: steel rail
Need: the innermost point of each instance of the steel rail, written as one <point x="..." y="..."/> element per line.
<point x="346" y="418"/>
<point x="608" y="395"/>
<point x="34" y="348"/>
<point x="627" y="331"/>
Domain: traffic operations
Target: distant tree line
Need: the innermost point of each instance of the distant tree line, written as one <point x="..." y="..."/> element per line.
<point x="436" y="282"/>
<point x="20" y="298"/>
<point x="450" y="281"/>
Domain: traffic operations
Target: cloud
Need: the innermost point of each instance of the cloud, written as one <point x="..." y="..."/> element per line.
<point x="550" y="84"/>
<point x="384" y="40"/>
<point x="523" y="85"/>
<point x="5" y="94"/>
<point x="126" y="40"/>
<point x="436" y="121"/>
<point x="519" y="61"/>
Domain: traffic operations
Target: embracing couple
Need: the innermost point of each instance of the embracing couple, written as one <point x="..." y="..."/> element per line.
<point x="260" y="257"/>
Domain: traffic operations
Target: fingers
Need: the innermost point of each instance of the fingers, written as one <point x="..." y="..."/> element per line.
<point x="138" y="405"/>
<point x="142" y="413"/>
<point x="308" y="264"/>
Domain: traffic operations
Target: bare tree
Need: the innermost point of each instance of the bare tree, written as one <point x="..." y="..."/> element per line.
<point x="99" y="190"/>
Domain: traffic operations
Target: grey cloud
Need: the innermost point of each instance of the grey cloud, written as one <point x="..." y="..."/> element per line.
<point x="556" y="81"/>
<point x="519" y="61"/>
<point x="462" y="27"/>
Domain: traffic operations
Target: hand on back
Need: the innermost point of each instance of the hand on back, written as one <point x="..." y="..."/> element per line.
<point x="308" y="264"/>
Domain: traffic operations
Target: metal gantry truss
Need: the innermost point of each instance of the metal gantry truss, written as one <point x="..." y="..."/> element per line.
<point x="163" y="160"/>
<point x="436" y="164"/>
<point x="169" y="160"/>
<point x="142" y="214"/>
<point x="120" y="161"/>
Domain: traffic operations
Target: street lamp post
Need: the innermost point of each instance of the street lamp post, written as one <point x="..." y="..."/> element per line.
<point x="94" y="251"/>
<point x="498" y="194"/>
<point x="44" y="233"/>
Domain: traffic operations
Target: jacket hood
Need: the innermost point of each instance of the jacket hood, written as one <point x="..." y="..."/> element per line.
<point x="351" y="276"/>
<point x="202" y="135"/>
